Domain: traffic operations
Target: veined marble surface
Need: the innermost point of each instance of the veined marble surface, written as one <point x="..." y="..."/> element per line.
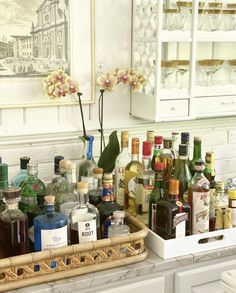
<point x="152" y="265"/>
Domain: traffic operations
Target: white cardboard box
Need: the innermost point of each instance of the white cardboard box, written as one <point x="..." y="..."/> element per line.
<point x="190" y="244"/>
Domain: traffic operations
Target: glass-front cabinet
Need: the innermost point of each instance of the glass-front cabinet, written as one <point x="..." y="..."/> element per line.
<point x="187" y="50"/>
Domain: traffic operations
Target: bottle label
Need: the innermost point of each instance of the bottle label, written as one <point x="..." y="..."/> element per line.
<point x="153" y="217"/>
<point x="144" y="188"/>
<point x="179" y="223"/>
<point x="200" y="212"/>
<point x="87" y="231"/>
<point x="233" y="203"/>
<point x="120" y="186"/>
<point x="89" y="180"/>
<point x="53" y="238"/>
<point x="130" y="189"/>
<point x="202" y="181"/>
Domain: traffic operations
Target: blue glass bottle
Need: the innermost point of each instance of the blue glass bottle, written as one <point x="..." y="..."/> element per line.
<point x="50" y="229"/>
<point x="22" y="173"/>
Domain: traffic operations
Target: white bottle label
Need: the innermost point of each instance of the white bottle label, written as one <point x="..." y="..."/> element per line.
<point x="200" y="213"/>
<point x="89" y="180"/>
<point x="54" y="238"/>
<point x="120" y="186"/>
<point x="87" y="231"/>
<point x="179" y="223"/>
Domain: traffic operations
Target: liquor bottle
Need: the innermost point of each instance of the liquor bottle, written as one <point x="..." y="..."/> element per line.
<point x="13" y="225"/>
<point x="3" y="183"/>
<point x="69" y="199"/>
<point x="84" y="218"/>
<point x="221" y="197"/>
<point x="158" y="145"/>
<point x="185" y="140"/>
<point x="209" y="173"/>
<point x="182" y="172"/>
<point x="122" y="161"/>
<point x="30" y="187"/>
<point x="156" y="194"/>
<point x="22" y="173"/>
<point x="199" y="199"/>
<point x="87" y="164"/>
<point x="167" y="157"/>
<point x="144" y="181"/>
<point x="173" y="216"/>
<point x="108" y="204"/>
<point x="94" y="194"/>
<point x="56" y="176"/>
<point x="197" y="153"/>
<point x="118" y="228"/>
<point x="131" y="171"/>
<point x="50" y="229"/>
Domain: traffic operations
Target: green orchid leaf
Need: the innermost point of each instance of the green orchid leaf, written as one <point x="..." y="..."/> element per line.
<point x="109" y="154"/>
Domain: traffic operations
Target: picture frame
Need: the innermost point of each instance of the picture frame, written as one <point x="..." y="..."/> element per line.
<point x="24" y="92"/>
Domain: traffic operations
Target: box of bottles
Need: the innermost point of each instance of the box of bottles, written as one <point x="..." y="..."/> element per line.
<point x="190" y="244"/>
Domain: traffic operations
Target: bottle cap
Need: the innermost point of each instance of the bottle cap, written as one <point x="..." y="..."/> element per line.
<point x="97" y="170"/>
<point x="3" y="172"/>
<point x="168" y="143"/>
<point x="197" y="138"/>
<point x="158" y="139"/>
<point x="118" y="214"/>
<point x="124" y="139"/>
<point x="232" y="193"/>
<point x="174" y="133"/>
<point x="220" y="185"/>
<point x="82" y="185"/>
<point x="183" y="150"/>
<point x="173" y="186"/>
<point x="49" y="199"/>
<point x="147" y="148"/>
<point x="151" y="136"/>
<point x="32" y="168"/>
<point x="124" y="135"/>
<point x="11" y="192"/>
<point x="23" y="162"/>
<point x="184" y="137"/>
<point x="159" y="166"/>
<point x="64" y="164"/>
<point x="210" y="157"/>
<point x="135" y="145"/>
<point x="57" y="160"/>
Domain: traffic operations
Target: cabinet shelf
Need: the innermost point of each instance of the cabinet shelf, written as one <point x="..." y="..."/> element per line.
<point x="216" y="36"/>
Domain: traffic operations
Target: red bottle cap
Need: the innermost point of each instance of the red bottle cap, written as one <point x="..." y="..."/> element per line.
<point x="158" y="139"/>
<point x="159" y="166"/>
<point x="147" y="148"/>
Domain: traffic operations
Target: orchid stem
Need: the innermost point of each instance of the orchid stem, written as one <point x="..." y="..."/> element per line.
<point x="82" y="114"/>
<point x="100" y="114"/>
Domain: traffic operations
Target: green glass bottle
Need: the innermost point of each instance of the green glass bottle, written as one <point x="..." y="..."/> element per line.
<point x="182" y="172"/>
<point x="156" y="194"/>
<point x="3" y="183"/>
<point x="30" y="188"/>
<point x="197" y="153"/>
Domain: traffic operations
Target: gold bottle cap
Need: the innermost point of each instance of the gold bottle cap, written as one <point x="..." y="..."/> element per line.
<point x="124" y="134"/>
<point x="97" y="170"/>
<point x="150" y="136"/>
<point x="82" y="185"/>
<point x="135" y="145"/>
<point x="173" y="186"/>
<point x="49" y="199"/>
<point x="232" y="193"/>
<point x="220" y="185"/>
<point x="124" y="139"/>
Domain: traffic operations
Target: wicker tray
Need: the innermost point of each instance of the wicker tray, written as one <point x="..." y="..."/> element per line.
<point x="20" y="271"/>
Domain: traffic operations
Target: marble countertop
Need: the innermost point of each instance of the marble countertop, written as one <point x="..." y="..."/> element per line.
<point x="153" y="264"/>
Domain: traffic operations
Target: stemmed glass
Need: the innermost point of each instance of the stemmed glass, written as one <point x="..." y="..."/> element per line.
<point x="209" y="67"/>
<point x="167" y="68"/>
<point x="232" y="64"/>
<point x="169" y="20"/>
<point x="214" y="18"/>
<point x="182" y="68"/>
<point x="184" y="14"/>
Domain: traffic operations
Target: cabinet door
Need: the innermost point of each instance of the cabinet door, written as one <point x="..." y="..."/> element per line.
<point x="202" y="278"/>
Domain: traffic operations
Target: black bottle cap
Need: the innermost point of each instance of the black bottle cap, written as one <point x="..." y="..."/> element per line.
<point x="3" y="172"/>
<point x="168" y="143"/>
<point x="184" y="137"/>
<point x="183" y="150"/>
<point x="57" y="160"/>
<point x="23" y="162"/>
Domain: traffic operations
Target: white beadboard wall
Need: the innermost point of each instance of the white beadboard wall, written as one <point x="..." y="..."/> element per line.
<point x="43" y="132"/>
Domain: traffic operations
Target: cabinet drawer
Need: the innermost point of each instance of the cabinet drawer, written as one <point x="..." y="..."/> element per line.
<point x="215" y="105"/>
<point x="173" y="108"/>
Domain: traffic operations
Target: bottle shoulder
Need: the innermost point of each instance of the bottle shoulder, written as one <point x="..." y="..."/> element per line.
<point x="134" y="166"/>
<point x="10" y="216"/>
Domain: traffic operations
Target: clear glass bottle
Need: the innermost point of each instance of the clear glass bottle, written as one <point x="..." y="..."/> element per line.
<point x="144" y="181"/>
<point x="94" y="194"/>
<point x="22" y="173"/>
<point x="182" y="172"/>
<point x="197" y="153"/>
<point x="30" y="188"/>
<point x="122" y="161"/>
<point x="13" y="225"/>
<point x="131" y="171"/>
<point x="174" y="215"/>
<point x="84" y="218"/>
<point x="158" y="145"/>
<point x="118" y="228"/>
<point x="56" y="176"/>
<point x="87" y="165"/>
<point x="3" y="183"/>
<point x="156" y="194"/>
<point x="108" y="204"/>
<point x="199" y="200"/>
<point x="50" y="229"/>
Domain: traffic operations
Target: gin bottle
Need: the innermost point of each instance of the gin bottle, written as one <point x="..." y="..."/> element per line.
<point x="122" y="161"/>
<point x="94" y="194"/>
<point x="30" y="188"/>
<point x="13" y="225"/>
<point x="50" y="229"/>
<point x="22" y="173"/>
<point x="87" y="165"/>
<point x="3" y="183"/>
<point x="84" y="218"/>
<point x="118" y="228"/>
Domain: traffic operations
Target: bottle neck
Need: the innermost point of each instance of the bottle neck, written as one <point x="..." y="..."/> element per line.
<point x="83" y="197"/>
<point x="135" y="157"/>
<point x="158" y="180"/>
<point x="11" y="204"/>
<point x="146" y="162"/>
<point x="71" y="179"/>
<point x="197" y="151"/>
<point x="157" y="149"/>
<point x="183" y="160"/>
<point x="89" y="155"/>
<point x="108" y="194"/>
<point x="49" y="209"/>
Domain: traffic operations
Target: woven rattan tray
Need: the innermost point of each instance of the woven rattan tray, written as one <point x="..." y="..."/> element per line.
<point x="23" y="270"/>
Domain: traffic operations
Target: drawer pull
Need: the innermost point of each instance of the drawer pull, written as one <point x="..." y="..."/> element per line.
<point x="227" y="103"/>
<point x="173" y="108"/>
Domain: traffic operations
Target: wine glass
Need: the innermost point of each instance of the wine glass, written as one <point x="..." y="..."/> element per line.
<point x="182" y="68"/>
<point x="184" y="14"/>
<point x="229" y="19"/>
<point x="214" y="18"/>
<point x="169" y="20"/>
<point x="209" y="67"/>
<point x="167" y="68"/>
<point x="232" y="64"/>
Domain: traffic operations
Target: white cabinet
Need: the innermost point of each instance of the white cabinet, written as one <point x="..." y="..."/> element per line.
<point x="188" y="53"/>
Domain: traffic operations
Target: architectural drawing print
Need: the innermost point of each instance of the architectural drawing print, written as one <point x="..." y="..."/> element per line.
<point x="33" y="37"/>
